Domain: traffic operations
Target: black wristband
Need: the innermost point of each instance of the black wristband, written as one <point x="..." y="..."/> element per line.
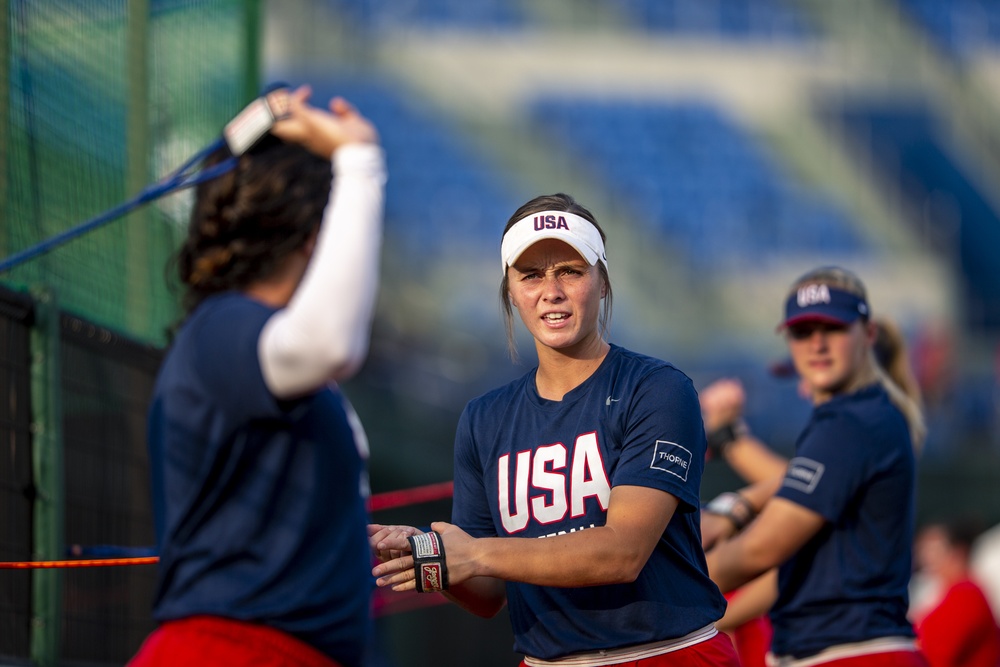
<point x="429" y="564"/>
<point x="720" y="439"/>
<point x="734" y="507"/>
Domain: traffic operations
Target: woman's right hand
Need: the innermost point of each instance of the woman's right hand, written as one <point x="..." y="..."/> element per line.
<point x="321" y="131"/>
<point x="390" y="542"/>
<point x="722" y="403"/>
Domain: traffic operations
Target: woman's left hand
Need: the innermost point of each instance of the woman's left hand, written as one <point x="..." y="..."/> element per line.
<point x="323" y="131"/>
<point x="715" y="529"/>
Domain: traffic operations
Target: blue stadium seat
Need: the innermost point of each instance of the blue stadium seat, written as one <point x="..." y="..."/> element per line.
<point x="424" y="14"/>
<point x="697" y="179"/>
<point x="771" y="20"/>
<point x="440" y="195"/>
<point x="959" y="27"/>
<point x="909" y="147"/>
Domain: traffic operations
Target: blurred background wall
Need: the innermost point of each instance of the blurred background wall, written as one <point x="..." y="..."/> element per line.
<point x="726" y="146"/>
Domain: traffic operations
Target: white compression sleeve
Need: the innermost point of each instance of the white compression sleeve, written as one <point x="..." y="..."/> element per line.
<point x="323" y="333"/>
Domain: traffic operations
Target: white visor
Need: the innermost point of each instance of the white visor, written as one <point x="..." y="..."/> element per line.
<point x="578" y="232"/>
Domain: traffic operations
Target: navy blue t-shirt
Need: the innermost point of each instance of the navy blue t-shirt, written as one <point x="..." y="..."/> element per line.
<point x="533" y="468"/>
<point x="854" y="465"/>
<point x="259" y="503"/>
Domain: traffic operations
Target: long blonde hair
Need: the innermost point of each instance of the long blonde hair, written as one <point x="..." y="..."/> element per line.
<point x="888" y="360"/>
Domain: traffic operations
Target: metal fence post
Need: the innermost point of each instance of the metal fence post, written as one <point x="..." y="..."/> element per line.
<point x="47" y="457"/>
<point x="138" y="283"/>
<point x="252" y="45"/>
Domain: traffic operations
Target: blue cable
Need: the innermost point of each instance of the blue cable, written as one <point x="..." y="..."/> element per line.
<point x="178" y="180"/>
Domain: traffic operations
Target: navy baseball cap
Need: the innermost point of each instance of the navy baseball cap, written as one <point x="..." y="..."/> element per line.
<point x="821" y="303"/>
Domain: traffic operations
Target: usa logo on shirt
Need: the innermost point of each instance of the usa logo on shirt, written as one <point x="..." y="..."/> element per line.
<point x="671" y="458"/>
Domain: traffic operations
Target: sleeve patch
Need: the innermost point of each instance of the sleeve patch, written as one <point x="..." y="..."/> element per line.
<point x="803" y="474"/>
<point x="672" y="458"/>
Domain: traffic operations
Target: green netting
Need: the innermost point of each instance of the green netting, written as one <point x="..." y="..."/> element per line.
<point x="100" y="99"/>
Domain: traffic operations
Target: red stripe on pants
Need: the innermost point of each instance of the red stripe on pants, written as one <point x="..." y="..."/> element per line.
<point x="211" y="640"/>
<point x="886" y="659"/>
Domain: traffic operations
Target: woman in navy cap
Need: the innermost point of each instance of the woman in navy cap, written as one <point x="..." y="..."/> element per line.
<point x="839" y="523"/>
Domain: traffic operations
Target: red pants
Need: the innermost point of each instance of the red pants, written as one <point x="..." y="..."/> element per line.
<point x="716" y="652"/>
<point x="752" y="641"/>
<point x="887" y="659"/>
<point x="210" y="640"/>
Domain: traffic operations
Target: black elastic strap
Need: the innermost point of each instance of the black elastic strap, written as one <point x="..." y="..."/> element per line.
<point x="429" y="564"/>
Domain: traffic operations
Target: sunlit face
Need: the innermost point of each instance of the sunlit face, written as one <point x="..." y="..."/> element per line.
<point x="829" y="357"/>
<point x="558" y="295"/>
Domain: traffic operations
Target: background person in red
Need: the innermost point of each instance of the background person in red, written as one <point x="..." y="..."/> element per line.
<point x="956" y="628"/>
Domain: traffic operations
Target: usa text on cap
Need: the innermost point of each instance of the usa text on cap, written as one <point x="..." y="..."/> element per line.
<point x="822" y="303"/>
<point x="570" y="228"/>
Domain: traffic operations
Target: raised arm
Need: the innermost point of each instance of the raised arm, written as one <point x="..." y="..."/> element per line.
<point x="729" y="437"/>
<point x="323" y="333"/>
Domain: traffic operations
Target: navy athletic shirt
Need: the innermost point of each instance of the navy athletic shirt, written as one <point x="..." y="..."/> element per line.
<point x="259" y="504"/>
<point x="531" y="468"/>
<point x="854" y="465"/>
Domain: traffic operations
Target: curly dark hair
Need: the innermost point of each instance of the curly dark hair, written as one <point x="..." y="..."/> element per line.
<point x="245" y="222"/>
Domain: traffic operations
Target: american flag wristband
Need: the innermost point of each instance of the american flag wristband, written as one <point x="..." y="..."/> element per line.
<point x="428" y="562"/>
